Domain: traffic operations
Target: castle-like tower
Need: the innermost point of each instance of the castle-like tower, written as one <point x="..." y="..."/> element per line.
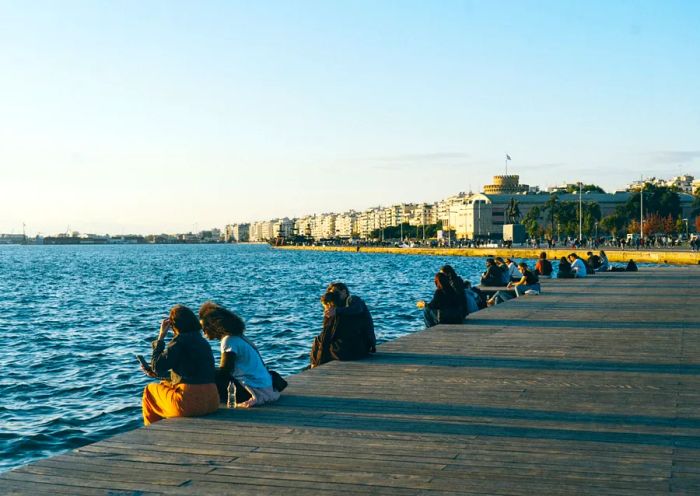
<point x="506" y="185"/>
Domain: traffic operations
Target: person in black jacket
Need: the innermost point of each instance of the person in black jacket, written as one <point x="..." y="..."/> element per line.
<point x="354" y="312"/>
<point x="188" y="361"/>
<point x="445" y="307"/>
<point x="493" y="275"/>
<point x="341" y="337"/>
<point x="459" y="287"/>
<point x="565" y="271"/>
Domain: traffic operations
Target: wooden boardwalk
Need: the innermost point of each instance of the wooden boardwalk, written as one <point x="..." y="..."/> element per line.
<point x="592" y="387"/>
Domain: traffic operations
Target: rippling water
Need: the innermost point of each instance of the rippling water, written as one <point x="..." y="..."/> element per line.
<point x="72" y="317"/>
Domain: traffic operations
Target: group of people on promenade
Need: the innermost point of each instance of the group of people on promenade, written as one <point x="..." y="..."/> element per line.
<point x="192" y="385"/>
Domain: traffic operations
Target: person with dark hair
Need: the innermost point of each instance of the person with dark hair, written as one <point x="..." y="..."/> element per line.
<point x="493" y="275"/>
<point x="241" y="363"/>
<point x="593" y="261"/>
<point x="528" y="281"/>
<point x="445" y="307"/>
<point x="631" y="266"/>
<point x="341" y="338"/>
<point x="543" y="267"/>
<point x="191" y="390"/>
<point x="505" y="274"/>
<point x="564" y="271"/>
<point x="459" y="287"/>
<point x="355" y="313"/>
<point x="578" y="268"/>
<point x="604" y="263"/>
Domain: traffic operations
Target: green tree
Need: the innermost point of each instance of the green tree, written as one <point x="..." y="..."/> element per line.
<point x="551" y="206"/>
<point x="593" y="188"/>
<point x="615" y="223"/>
<point x="660" y="200"/>
<point x="530" y="221"/>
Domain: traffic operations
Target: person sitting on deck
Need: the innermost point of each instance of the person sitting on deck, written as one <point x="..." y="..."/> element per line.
<point x="577" y="266"/>
<point x="631" y="266"/>
<point x="340" y="339"/>
<point x="475" y="298"/>
<point x="512" y="272"/>
<point x="604" y="263"/>
<point x="529" y="281"/>
<point x="501" y="264"/>
<point x="593" y="261"/>
<point x="543" y="267"/>
<point x="445" y="307"/>
<point x="355" y="312"/>
<point x="565" y="271"/>
<point x="493" y="275"/>
<point x="459" y="287"/>
<point x="241" y="363"/>
<point x="191" y="390"/>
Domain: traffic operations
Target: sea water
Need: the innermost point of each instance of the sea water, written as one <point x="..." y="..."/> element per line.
<point x="72" y="318"/>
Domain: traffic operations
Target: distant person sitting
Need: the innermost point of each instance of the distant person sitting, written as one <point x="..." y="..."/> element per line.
<point x="565" y="271"/>
<point x="631" y="266"/>
<point x="577" y="266"/>
<point x="512" y="272"/>
<point x="593" y="260"/>
<point x="493" y="275"/>
<point x="528" y="281"/>
<point x="604" y="263"/>
<point x="459" y="287"/>
<point x="543" y="267"/>
<point x="504" y="270"/>
<point x="445" y="307"/>
<point x="354" y="312"/>
<point x="473" y="298"/>
<point x="340" y="339"/>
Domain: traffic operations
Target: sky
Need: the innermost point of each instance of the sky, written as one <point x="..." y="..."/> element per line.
<point x="169" y="116"/>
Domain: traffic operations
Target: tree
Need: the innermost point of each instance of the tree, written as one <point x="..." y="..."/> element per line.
<point x="551" y="207"/>
<point x="660" y="200"/>
<point x="593" y="188"/>
<point x="614" y="223"/>
<point x="530" y="221"/>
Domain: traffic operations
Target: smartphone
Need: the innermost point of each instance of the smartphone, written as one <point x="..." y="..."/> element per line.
<point x="143" y="362"/>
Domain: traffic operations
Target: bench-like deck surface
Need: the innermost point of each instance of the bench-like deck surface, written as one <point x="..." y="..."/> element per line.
<point x="592" y="387"/>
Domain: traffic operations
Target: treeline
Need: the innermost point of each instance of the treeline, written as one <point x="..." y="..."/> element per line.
<point x="661" y="211"/>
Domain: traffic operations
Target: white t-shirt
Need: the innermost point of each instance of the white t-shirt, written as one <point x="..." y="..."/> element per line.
<point x="248" y="369"/>
<point x="579" y="268"/>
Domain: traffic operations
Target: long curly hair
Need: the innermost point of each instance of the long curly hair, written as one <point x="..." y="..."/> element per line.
<point x="218" y="322"/>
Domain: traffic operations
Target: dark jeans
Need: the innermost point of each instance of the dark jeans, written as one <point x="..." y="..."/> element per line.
<point x="222" y="381"/>
<point x="430" y="317"/>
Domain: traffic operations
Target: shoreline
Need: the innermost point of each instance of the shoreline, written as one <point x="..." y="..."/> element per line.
<point x="614" y="255"/>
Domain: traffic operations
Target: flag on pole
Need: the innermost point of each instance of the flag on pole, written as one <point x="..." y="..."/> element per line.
<point x="507" y="157"/>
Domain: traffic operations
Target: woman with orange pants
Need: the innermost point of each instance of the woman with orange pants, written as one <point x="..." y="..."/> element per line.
<point x="191" y="390"/>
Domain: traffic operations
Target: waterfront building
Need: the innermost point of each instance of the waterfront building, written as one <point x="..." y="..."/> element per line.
<point x="282" y="227"/>
<point x="423" y="214"/>
<point x="346" y="225"/>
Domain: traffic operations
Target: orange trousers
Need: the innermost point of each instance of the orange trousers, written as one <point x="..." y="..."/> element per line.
<point x="162" y="400"/>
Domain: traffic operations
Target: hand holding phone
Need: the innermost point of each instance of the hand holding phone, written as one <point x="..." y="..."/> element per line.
<point x="145" y="366"/>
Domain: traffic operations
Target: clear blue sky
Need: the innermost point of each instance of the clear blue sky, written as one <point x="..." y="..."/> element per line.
<point x="164" y="116"/>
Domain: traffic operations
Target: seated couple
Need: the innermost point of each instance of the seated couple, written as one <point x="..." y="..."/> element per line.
<point x="529" y="282"/>
<point x="191" y="384"/>
<point x="452" y="301"/>
<point x="348" y="328"/>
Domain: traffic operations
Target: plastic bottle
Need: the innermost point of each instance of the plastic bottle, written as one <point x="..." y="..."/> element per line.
<point x="231" y="402"/>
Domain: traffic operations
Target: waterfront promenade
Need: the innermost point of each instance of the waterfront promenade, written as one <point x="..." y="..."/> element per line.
<point x="656" y="256"/>
<point x="592" y="387"/>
